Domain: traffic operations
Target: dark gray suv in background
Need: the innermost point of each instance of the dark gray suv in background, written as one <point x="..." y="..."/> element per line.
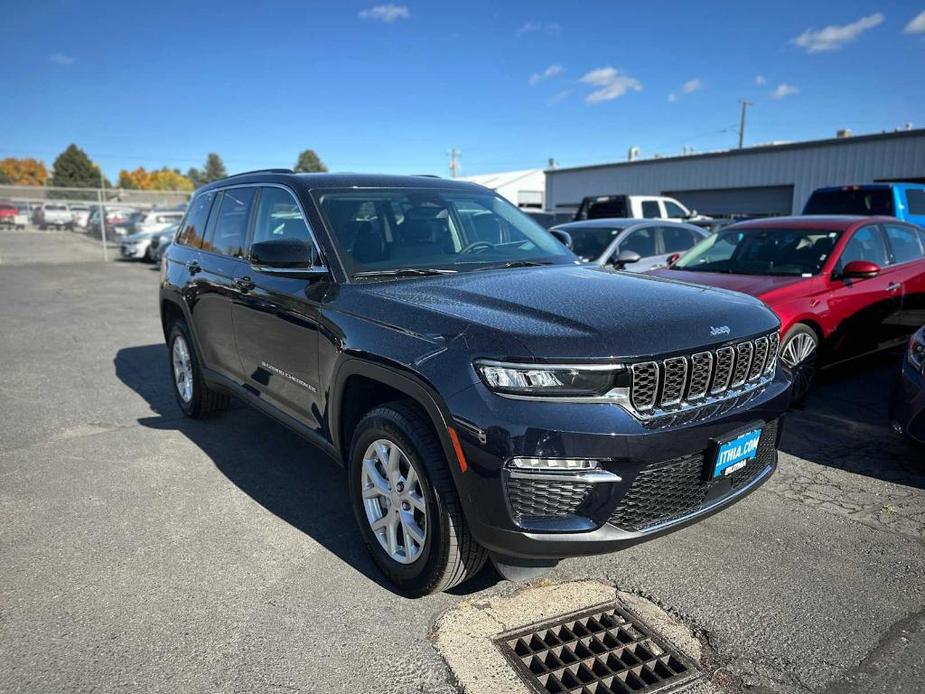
<point x="488" y="394"/>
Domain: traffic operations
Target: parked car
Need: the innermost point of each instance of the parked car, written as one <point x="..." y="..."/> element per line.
<point x="847" y="285"/>
<point x="8" y="214"/>
<point x="54" y="214"/>
<point x="160" y="242"/>
<point x="81" y="214"/>
<point x="636" y="245"/>
<point x="156" y="220"/>
<point x="634" y="206"/>
<point x="908" y="410"/>
<point x="21" y="218"/>
<point x="118" y="221"/>
<point x="486" y="397"/>
<point x="905" y="201"/>
<point x="137" y="246"/>
<point x="549" y="219"/>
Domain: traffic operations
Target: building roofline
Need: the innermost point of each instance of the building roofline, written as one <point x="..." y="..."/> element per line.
<point x="805" y="144"/>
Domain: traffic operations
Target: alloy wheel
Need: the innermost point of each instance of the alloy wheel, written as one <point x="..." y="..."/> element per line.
<point x="182" y="369"/>
<point x="394" y="501"/>
<point x="800" y="354"/>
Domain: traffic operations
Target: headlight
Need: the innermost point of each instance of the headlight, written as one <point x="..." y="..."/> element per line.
<point x="916" y="353"/>
<point x="553" y="380"/>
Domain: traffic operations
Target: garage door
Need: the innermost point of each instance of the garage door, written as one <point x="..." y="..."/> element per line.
<point x="764" y="200"/>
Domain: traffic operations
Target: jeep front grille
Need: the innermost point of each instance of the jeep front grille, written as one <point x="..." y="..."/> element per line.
<point x="684" y="381"/>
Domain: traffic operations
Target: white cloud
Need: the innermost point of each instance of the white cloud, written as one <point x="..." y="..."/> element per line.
<point x="61" y="59"/>
<point x="531" y="27"/>
<point x="916" y="25"/>
<point x="691" y="86"/>
<point x="672" y="97"/>
<point x="556" y="98"/>
<point x="784" y="89"/>
<point x="834" y="36"/>
<point x="385" y="13"/>
<point x="760" y="80"/>
<point x="551" y="71"/>
<point x="611" y="82"/>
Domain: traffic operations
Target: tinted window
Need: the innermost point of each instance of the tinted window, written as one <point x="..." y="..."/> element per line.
<point x="866" y="244"/>
<point x="871" y="201"/>
<point x="904" y="242"/>
<point x="915" y="199"/>
<point x="590" y="243"/>
<point x="642" y="241"/>
<point x="650" y="209"/>
<point x="604" y="208"/>
<point x="194" y="225"/>
<point x="230" y="233"/>
<point x="278" y="217"/>
<point x="672" y="210"/>
<point x="676" y="240"/>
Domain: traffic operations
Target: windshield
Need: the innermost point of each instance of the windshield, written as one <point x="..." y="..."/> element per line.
<point x="385" y="229"/>
<point x="797" y="252"/>
<point x="589" y="243"/>
<point x="872" y="201"/>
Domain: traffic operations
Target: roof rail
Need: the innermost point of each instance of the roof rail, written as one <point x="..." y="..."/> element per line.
<point x="255" y="171"/>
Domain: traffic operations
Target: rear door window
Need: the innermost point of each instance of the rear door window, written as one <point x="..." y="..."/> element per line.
<point x="194" y="226"/>
<point x="915" y="201"/>
<point x="229" y="236"/>
<point x="904" y="242"/>
<point x="642" y="241"/>
<point x="677" y="239"/>
<point x="650" y="209"/>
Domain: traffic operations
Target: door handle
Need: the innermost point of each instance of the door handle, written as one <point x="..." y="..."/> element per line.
<point x="193" y="267"/>
<point x="245" y="284"/>
<point x="893" y="286"/>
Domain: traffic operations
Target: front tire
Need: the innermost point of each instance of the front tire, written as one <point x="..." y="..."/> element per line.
<point x="800" y="351"/>
<point x="406" y="505"/>
<point x="194" y="396"/>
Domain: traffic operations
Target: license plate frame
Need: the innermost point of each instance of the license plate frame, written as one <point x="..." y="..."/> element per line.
<point x="733" y="452"/>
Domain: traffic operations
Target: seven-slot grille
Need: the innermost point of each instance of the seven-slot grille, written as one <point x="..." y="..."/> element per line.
<point x="683" y="380"/>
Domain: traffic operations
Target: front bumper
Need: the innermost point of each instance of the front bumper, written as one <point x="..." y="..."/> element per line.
<point x="661" y="466"/>
<point x="136" y="250"/>
<point x="908" y="408"/>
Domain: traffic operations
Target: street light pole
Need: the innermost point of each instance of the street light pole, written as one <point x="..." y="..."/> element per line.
<point x="745" y="105"/>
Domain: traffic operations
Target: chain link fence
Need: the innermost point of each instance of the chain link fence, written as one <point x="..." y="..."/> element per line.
<point x="102" y="215"/>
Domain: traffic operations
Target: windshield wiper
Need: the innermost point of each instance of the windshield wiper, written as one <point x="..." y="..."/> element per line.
<point x="406" y="272"/>
<point x="515" y="263"/>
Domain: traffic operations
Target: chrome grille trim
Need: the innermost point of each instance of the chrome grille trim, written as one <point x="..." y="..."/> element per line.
<point x="685" y="382"/>
<point x="675" y="378"/>
<point x="645" y="385"/>
<point x="701" y="368"/>
<point x="744" y="352"/>
<point x="725" y="356"/>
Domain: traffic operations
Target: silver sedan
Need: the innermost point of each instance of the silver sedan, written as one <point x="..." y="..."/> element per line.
<point x="635" y="245"/>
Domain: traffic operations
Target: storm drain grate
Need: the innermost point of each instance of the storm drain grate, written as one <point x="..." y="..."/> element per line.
<point x="604" y="650"/>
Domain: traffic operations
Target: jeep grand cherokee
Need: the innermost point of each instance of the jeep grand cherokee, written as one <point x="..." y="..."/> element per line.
<point x="489" y="395"/>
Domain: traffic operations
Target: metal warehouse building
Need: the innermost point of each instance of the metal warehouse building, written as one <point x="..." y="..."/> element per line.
<point x="764" y="180"/>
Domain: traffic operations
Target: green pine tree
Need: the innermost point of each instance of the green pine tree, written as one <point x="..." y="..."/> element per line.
<point x="214" y="168"/>
<point x="309" y="162"/>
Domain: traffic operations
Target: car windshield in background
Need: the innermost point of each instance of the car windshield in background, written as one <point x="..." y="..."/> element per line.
<point x="389" y="230"/>
<point x="797" y="252"/>
<point x="590" y="243"/>
<point x="875" y="201"/>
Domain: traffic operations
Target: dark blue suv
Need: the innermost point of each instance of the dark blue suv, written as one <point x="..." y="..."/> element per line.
<point x="488" y="394"/>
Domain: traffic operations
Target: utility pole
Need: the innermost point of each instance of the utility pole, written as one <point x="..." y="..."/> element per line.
<point x="745" y="105"/>
<point x="454" y="162"/>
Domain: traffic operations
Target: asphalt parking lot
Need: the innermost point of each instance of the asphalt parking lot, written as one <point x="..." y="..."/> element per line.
<point x="142" y="551"/>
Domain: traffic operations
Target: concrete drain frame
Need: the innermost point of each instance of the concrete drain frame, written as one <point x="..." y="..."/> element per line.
<point x="600" y="650"/>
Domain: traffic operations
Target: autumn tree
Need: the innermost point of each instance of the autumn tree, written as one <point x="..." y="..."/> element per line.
<point x="163" y="179"/>
<point x="139" y="179"/>
<point x="25" y="172"/>
<point x="5" y="178"/>
<point x="309" y="162"/>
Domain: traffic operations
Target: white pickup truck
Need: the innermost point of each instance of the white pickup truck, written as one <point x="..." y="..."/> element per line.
<point x="635" y="207"/>
<point x="54" y="214"/>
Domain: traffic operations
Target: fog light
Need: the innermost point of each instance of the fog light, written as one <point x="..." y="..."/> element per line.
<point x="554" y="464"/>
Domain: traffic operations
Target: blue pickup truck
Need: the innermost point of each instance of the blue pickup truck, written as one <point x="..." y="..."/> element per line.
<point x="905" y="201"/>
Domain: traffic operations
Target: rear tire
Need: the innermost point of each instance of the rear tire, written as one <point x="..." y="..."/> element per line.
<point x="193" y="395"/>
<point x="800" y="351"/>
<point x="418" y="488"/>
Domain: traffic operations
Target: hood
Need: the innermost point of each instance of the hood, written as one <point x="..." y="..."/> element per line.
<point x="564" y="312"/>
<point x="755" y="285"/>
<point x="140" y="236"/>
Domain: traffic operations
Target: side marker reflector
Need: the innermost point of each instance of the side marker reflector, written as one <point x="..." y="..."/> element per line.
<point x="463" y="465"/>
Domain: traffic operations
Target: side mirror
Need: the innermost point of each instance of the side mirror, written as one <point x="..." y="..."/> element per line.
<point x="627" y="257"/>
<point x="672" y="259"/>
<point x="860" y="270"/>
<point x="562" y="237"/>
<point x="286" y="257"/>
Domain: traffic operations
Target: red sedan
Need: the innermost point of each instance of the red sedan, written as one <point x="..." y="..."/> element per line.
<point x="842" y="286"/>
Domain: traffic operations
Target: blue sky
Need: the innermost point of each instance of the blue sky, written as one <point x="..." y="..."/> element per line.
<point x="392" y="86"/>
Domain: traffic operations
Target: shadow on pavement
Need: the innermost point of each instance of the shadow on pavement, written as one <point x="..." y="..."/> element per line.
<point x="278" y="469"/>
<point x="845" y="423"/>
